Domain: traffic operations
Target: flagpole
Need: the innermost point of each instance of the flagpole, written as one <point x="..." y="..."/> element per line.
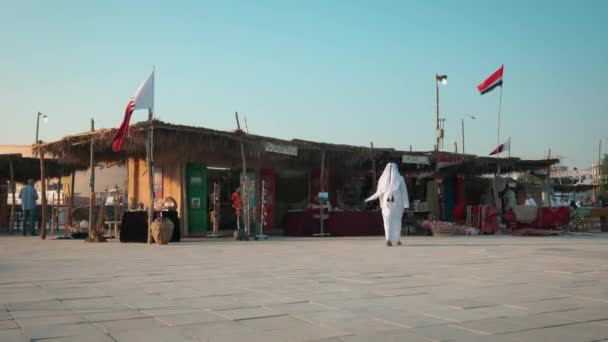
<point x="498" y="131"/>
<point x="151" y="168"/>
<point x="150" y="175"/>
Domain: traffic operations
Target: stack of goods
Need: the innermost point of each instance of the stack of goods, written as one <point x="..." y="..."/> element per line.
<point x="583" y="221"/>
<point x="465" y="230"/>
<point x="442" y="228"/>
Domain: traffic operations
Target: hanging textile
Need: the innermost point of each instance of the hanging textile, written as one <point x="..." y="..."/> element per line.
<point x="449" y="198"/>
<point x="432" y="199"/>
<point x="460" y="191"/>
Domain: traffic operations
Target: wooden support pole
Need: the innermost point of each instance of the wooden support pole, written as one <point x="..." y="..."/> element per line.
<point x="117" y="206"/>
<point x="184" y="196"/>
<point x="13" y="189"/>
<point x="596" y="190"/>
<point x="150" y="161"/>
<point x="53" y="215"/>
<point x="547" y="185"/>
<point x="57" y="205"/>
<point x="43" y="197"/>
<point x="216" y="208"/>
<point x="462" y="128"/>
<point x="70" y="219"/>
<point x="374" y="179"/>
<point x="92" y="184"/>
<point x="244" y="182"/>
<point x="322" y="189"/>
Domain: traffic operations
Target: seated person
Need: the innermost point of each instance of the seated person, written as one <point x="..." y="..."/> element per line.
<point x="530" y="201"/>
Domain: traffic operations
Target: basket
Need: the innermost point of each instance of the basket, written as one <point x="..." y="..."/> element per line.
<point x="162" y="231"/>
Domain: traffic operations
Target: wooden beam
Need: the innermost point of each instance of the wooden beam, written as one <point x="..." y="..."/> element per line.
<point x="13" y="189"/>
<point x="43" y="197"/>
<point x="150" y="161"/>
<point x="374" y="179"/>
<point x="184" y="195"/>
<point x="72" y="194"/>
<point x="91" y="184"/>
<point x="244" y="182"/>
<point x="322" y="189"/>
<point x="53" y="216"/>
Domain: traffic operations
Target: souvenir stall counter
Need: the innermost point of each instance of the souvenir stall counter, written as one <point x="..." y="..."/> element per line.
<point x="337" y="223"/>
<point x="134" y="226"/>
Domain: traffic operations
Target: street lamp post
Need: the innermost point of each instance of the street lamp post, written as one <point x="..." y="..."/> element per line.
<point x="462" y="127"/>
<point x="45" y="118"/>
<point x="443" y="79"/>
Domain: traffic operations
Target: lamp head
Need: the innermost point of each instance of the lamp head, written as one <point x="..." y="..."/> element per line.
<point x="443" y="79"/>
<point x="44" y="117"/>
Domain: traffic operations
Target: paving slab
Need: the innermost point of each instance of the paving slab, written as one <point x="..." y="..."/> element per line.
<point x="227" y="331"/>
<point x="292" y="328"/>
<point x="387" y="336"/>
<point x="447" y="333"/>
<point x="62" y="330"/>
<point x="248" y="313"/>
<point x="112" y="327"/>
<point x="195" y="317"/>
<point x="8" y="325"/>
<point x="13" y="335"/>
<point x="107" y="316"/>
<point x="349" y="322"/>
<point x="567" y="333"/>
<point x="51" y="320"/>
<point x="514" y="324"/>
<point x="39" y="313"/>
<point x="35" y="305"/>
<point x="152" y="334"/>
<point x="478" y="288"/>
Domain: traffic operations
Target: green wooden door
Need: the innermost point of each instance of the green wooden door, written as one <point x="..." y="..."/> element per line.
<point x="196" y="177"/>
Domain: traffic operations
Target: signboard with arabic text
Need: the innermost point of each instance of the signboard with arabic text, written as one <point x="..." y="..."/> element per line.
<point x="411" y="159"/>
<point x="281" y="149"/>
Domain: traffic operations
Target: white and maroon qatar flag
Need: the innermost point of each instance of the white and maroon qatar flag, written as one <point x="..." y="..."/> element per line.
<point x="506" y="146"/>
<point x="491" y="82"/>
<point x="143" y="99"/>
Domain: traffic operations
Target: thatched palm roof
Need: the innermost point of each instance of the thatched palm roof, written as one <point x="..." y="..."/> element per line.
<point x="471" y="164"/>
<point x="188" y="141"/>
<point x="25" y="168"/>
<point x="195" y="143"/>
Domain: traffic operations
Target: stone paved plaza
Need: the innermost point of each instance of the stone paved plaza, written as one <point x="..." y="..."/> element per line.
<point x="494" y="288"/>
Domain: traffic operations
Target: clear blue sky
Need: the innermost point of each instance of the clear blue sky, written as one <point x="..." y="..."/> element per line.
<point x="336" y="71"/>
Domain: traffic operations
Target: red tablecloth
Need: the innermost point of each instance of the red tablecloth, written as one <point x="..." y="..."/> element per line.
<point x="484" y="217"/>
<point x="490" y="224"/>
<point x="547" y="218"/>
<point x="553" y="217"/>
<point x="339" y="223"/>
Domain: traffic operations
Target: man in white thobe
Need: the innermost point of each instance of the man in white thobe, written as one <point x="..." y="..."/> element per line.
<point x="392" y="194"/>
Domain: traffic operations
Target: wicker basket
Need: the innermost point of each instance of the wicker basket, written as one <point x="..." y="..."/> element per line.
<point x="162" y="231"/>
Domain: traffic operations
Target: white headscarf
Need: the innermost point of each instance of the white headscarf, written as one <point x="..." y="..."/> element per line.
<point x="388" y="183"/>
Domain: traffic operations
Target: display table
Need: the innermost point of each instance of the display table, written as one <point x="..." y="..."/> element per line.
<point x="339" y="223"/>
<point x="134" y="226"/>
<point x="602" y="213"/>
<point x="112" y="224"/>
